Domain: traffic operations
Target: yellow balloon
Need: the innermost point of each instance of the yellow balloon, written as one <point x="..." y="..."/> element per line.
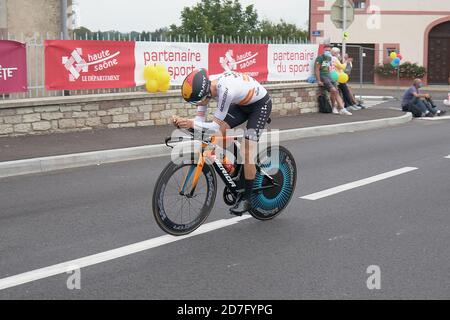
<point x="152" y="86"/>
<point x="161" y="68"/>
<point x="343" y="78"/>
<point x="164" y="87"/>
<point x="393" y="55"/>
<point x="150" y="72"/>
<point x="163" y="77"/>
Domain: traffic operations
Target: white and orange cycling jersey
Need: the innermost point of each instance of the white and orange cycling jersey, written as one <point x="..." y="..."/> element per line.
<point x="232" y="88"/>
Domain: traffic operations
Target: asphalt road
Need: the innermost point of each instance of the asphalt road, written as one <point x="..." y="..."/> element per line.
<point x="315" y="250"/>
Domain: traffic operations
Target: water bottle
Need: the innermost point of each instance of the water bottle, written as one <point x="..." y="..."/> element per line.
<point x="228" y="165"/>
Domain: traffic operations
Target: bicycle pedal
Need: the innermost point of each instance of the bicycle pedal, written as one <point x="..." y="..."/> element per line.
<point x="235" y="214"/>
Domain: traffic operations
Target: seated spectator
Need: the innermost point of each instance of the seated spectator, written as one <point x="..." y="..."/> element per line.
<point x="337" y="65"/>
<point x="322" y="71"/>
<point x="413" y="98"/>
<point x="348" y="62"/>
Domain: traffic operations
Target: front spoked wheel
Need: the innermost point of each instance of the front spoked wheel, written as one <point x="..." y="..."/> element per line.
<point x="279" y="170"/>
<point x="176" y="211"/>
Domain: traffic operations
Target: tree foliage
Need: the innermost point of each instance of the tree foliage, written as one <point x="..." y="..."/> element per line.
<point x="210" y="19"/>
<point x="83" y="33"/>
<point x="217" y="18"/>
<point x="282" y="30"/>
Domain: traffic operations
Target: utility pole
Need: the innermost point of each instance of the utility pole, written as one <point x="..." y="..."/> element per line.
<point x="309" y="22"/>
<point x="344" y="27"/>
<point x="64" y="31"/>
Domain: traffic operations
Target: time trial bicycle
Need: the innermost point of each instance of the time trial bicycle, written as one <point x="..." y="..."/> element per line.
<point x="186" y="190"/>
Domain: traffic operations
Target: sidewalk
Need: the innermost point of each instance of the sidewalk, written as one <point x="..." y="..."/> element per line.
<point x="437" y="88"/>
<point x="29" y="147"/>
<point x="438" y="95"/>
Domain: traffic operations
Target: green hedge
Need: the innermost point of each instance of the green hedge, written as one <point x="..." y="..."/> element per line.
<point x="407" y="70"/>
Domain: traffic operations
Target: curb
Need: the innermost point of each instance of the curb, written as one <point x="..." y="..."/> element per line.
<point x="294" y="134"/>
<point x="443" y="88"/>
<point x="382" y="98"/>
<point x="433" y="118"/>
<point x="70" y="161"/>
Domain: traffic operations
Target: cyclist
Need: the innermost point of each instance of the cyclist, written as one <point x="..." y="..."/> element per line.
<point x="240" y="98"/>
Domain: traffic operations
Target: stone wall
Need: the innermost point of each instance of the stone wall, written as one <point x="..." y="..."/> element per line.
<point x="108" y="111"/>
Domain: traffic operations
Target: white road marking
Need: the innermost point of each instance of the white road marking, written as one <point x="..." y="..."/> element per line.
<point x="384" y="98"/>
<point x="447" y="157"/>
<point x="370" y="104"/>
<point x="77" y="264"/>
<point x="434" y="118"/>
<point x="356" y="184"/>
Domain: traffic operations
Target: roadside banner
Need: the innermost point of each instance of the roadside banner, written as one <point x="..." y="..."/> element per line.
<point x="250" y="59"/>
<point x="77" y="65"/>
<point x="287" y="62"/>
<point x="13" y="67"/>
<point x="180" y="58"/>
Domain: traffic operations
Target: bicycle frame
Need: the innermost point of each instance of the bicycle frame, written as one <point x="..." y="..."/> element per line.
<point x="236" y="186"/>
<point x="207" y="156"/>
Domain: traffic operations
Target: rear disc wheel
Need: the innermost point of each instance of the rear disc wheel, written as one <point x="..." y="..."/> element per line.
<point x="279" y="164"/>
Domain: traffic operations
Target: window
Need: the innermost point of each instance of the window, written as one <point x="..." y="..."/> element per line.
<point x="390" y="50"/>
<point x="359" y="4"/>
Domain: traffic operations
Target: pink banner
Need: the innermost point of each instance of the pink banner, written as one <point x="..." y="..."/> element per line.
<point x="75" y="65"/>
<point x="13" y="67"/>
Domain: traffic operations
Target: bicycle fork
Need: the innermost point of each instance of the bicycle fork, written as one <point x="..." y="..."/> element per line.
<point x="193" y="174"/>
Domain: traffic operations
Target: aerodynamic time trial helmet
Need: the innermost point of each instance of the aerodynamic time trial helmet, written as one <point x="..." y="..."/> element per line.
<point x="196" y="86"/>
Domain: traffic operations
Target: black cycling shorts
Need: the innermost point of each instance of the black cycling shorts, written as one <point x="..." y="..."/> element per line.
<point x="256" y="115"/>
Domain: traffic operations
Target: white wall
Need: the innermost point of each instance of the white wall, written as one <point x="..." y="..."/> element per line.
<point x="412" y="5"/>
<point x="407" y="5"/>
<point x="392" y="30"/>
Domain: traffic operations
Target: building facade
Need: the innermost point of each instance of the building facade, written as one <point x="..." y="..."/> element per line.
<point x="25" y="18"/>
<point x="419" y="29"/>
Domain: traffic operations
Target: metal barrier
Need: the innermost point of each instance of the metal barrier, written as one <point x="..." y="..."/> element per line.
<point x="36" y="57"/>
<point x="359" y="67"/>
